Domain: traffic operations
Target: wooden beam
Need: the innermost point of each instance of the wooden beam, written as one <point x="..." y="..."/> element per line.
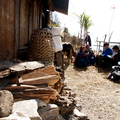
<point x="22" y="22"/>
<point x="17" y="27"/>
<point x="26" y="27"/>
<point x="34" y="15"/>
<point x="3" y="27"/>
<point x="49" y="80"/>
<point x="30" y="18"/>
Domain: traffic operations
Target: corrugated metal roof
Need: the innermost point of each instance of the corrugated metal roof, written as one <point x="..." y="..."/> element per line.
<point x="61" y="6"/>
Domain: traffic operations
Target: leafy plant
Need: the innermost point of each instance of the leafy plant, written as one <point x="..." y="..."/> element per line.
<point x="54" y="21"/>
<point x="85" y="22"/>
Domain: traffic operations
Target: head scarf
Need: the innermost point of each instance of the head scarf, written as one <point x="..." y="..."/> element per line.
<point x="81" y="48"/>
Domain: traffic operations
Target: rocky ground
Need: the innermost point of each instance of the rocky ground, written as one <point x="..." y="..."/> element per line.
<point x="98" y="97"/>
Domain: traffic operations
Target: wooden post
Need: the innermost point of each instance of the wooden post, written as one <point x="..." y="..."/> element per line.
<point x="17" y="27"/>
<point x="104" y="40"/>
<point x="97" y="44"/>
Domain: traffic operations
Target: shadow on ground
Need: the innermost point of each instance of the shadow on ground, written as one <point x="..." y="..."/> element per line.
<point x="66" y="65"/>
<point x="104" y="70"/>
<point x="83" y="68"/>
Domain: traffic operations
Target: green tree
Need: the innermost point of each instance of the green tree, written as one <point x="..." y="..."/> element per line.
<point x="84" y="21"/>
<point x="87" y="22"/>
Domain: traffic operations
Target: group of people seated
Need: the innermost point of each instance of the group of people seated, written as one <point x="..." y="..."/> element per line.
<point x="109" y="57"/>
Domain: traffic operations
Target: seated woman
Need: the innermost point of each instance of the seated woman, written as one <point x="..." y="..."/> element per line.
<point x="115" y="58"/>
<point x="91" y="55"/>
<point x="82" y="58"/>
<point x="103" y="60"/>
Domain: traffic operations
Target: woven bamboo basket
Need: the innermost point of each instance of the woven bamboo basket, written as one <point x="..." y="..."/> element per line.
<point x="41" y="46"/>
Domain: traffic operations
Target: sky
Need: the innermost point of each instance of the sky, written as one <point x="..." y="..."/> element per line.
<point x="105" y="20"/>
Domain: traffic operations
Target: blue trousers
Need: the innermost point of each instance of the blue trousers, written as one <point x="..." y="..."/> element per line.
<point x="83" y="62"/>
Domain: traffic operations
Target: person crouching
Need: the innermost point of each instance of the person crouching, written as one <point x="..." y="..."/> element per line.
<point x="115" y="58"/>
<point x="103" y="60"/>
<point x="82" y="58"/>
<point x="91" y="55"/>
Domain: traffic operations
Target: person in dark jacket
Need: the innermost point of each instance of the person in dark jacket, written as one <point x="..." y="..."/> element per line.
<point x="103" y="60"/>
<point x="82" y="58"/>
<point x="91" y="55"/>
<point x="115" y="58"/>
<point x="88" y="39"/>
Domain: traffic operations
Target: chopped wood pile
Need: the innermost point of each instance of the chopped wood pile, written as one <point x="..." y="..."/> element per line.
<point x="35" y="84"/>
<point x="32" y="80"/>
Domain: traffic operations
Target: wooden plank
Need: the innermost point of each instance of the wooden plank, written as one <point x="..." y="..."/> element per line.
<point x="4" y="73"/>
<point x="3" y="29"/>
<point x="34" y="15"/>
<point x="10" y="29"/>
<point x="31" y="3"/>
<point x="49" y="80"/>
<point x="26" y="21"/>
<point x="26" y="66"/>
<point x="34" y="96"/>
<point x="49" y="70"/>
<point x="38" y="14"/>
<point x="15" y="87"/>
<point x="22" y="22"/>
<point x="17" y="27"/>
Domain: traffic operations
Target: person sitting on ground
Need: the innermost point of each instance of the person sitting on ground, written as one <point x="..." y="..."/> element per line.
<point x="91" y="55"/>
<point x="82" y="58"/>
<point x="115" y="58"/>
<point x="103" y="60"/>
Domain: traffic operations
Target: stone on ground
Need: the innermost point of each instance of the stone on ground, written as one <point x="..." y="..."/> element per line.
<point x="79" y="114"/>
<point x="50" y="112"/>
<point x="28" y="108"/>
<point x="61" y="118"/>
<point x="6" y="103"/>
<point x="16" y="116"/>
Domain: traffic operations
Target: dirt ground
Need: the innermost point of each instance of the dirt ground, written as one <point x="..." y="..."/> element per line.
<point x="98" y="96"/>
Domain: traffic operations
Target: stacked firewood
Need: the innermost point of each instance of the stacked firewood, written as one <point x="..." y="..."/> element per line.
<point x="32" y="81"/>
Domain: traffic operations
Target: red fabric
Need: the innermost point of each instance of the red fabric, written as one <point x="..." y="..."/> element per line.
<point x="82" y="48"/>
<point x="86" y="38"/>
<point x="86" y="46"/>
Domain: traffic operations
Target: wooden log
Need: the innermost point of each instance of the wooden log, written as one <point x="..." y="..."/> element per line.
<point x="42" y="96"/>
<point x="34" y="96"/>
<point x="58" y="86"/>
<point x="40" y="91"/>
<point x="49" y="70"/>
<point x="49" y="80"/>
<point x="33" y="74"/>
<point x="17" y="27"/>
<point x="4" y="73"/>
<point x="26" y="66"/>
<point x="15" y="87"/>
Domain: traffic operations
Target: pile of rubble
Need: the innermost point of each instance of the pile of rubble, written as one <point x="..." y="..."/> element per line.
<point x="33" y="91"/>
